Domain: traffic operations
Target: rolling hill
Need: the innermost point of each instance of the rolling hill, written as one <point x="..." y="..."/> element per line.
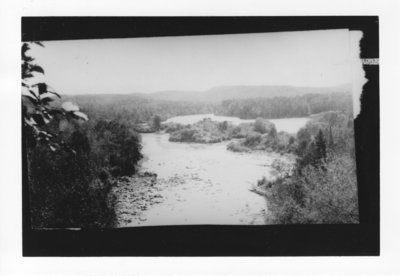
<point x="218" y="94"/>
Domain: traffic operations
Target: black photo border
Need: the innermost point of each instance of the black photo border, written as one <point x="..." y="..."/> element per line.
<point x="223" y="240"/>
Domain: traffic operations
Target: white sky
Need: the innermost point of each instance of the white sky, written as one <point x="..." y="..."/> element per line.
<point x="312" y="58"/>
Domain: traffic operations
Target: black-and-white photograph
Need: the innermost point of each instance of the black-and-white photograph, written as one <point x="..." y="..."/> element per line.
<point x="242" y="129"/>
<point x="199" y="138"/>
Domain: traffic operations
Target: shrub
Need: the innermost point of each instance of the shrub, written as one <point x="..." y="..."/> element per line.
<point x="264" y="126"/>
<point x="172" y="127"/>
<point x="241" y="130"/>
<point x="316" y="195"/>
<point x="72" y="189"/>
<point x="260" y="126"/>
<point x="252" y="139"/>
<point x="157" y="122"/>
<point x="235" y="147"/>
<point x="223" y="126"/>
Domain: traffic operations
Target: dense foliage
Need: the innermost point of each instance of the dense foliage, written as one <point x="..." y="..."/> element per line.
<point x="205" y="131"/>
<point x="262" y="135"/>
<point x="285" y="107"/>
<point x="71" y="162"/>
<point x="322" y="186"/>
<point x="134" y="109"/>
<point x="41" y="104"/>
<point x="71" y="189"/>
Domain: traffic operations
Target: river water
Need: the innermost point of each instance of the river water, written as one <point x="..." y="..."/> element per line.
<point x="205" y="183"/>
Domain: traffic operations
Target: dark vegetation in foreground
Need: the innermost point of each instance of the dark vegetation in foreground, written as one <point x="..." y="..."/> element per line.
<point x="72" y="189"/>
<point x="73" y="162"/>
<point x="322" y="186"/>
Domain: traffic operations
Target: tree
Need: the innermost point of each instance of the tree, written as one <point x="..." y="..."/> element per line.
<point x="223" y="126"/>
<point x="272" y="133"/>
<point x="39" y="107"/>
<point x="320" y="143"/>
<point x="260" y="126"/>
<point x="157" y="122"/>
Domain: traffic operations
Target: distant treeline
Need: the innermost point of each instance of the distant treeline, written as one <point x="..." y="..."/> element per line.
<point x="135" y="109"/>
<point x="286" y="107"/>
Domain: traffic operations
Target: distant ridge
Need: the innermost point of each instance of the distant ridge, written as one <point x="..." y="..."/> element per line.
<point x="215" y="94"/>
<point x="220" y="93"/>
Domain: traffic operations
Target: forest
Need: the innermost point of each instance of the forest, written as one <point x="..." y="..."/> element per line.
<point x="134" y="108"/>
<point x="79" y="147"/>
<point x="285" y="107"/>
<point x="321" y="187"/>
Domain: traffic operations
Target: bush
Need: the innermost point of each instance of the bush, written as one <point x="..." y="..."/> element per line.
<point x="235" y="147"/>
<point x="241" y="130"/>
<point x="260" y="126"/>
<point x="252" y="139"/>
<point x="119" y="147"/>
<point x="316" y="195"/>
<point x="172" y="127"/>
<point x="72" y="188"/>
<point x="205" y="131"/>
<point x="66" y="192"/>
<point x="322" y="187"/>
<point x="269" y="141"/>
<point x="264" y="126"/>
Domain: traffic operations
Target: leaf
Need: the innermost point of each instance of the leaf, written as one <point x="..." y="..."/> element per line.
<point x="25" y="47"/>
<point x="52" y="147"/>
<point x="45" y="134"/>
<point x="37" y="68"/>
<point x="54" y="111"/>
<point x="47" y="115"/>
<point x="31" y="99"/>
<point x="33" y="94"/>
<point x="69" y="107"/>
<point x="38" y="119"/>
<point x="29" y="121"/>
<point x="46" y="100"/>
<point x="55" y="93"/>
<point x="42" y="87"/>
<point x="26" y="75"/>
<point x="81" y="115"/>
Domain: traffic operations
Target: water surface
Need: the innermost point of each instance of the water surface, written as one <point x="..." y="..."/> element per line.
<point x="205" y="183"/>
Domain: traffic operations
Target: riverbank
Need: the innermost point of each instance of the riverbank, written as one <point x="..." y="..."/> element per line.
<point x="133" y="196"/>
<point x="195" y="184"/>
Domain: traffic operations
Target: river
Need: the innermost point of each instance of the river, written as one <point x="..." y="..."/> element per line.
<point x="205" y="183"/>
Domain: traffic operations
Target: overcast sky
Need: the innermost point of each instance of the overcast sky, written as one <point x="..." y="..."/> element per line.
<point x="313" y="58"/>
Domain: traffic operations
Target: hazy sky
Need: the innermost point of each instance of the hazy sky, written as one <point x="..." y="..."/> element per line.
<point x="313" y="58"/>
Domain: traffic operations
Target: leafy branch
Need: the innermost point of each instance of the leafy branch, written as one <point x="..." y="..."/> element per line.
<point x="39" y="103"/>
